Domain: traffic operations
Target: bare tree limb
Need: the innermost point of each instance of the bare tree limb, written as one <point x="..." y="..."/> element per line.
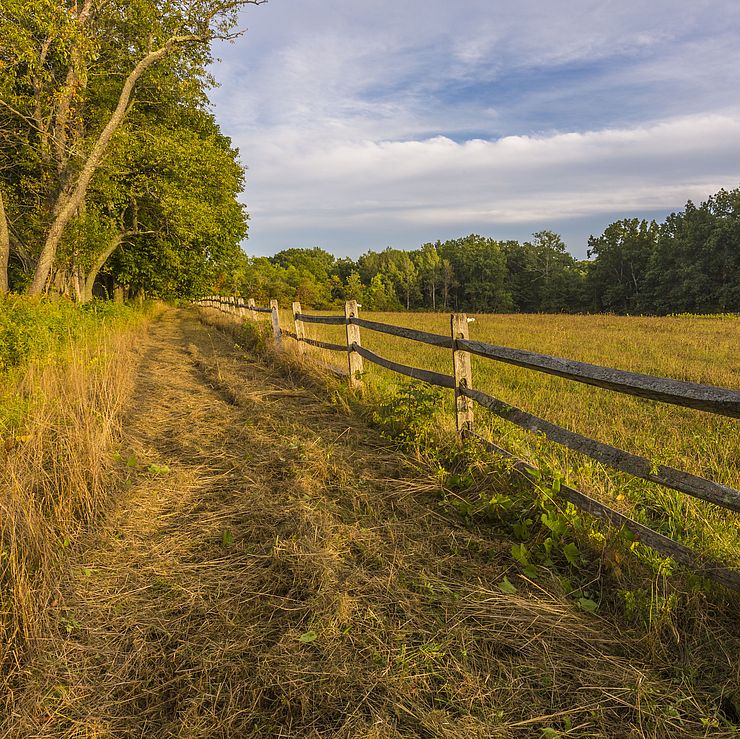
<point x="4" y="248"/>
<point x="100" y="260"/>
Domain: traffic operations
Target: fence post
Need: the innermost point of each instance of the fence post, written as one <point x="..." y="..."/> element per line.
<point x="275" y="322"/>
<point x="353" y="337"/>
<point x="240" y="308"/>
<point x="300" y="332"/>
<point x="252" y="312"/>
<point x="463" y="374"/>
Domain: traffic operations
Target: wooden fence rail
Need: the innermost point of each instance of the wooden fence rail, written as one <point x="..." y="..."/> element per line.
<point x="716" y="400"/>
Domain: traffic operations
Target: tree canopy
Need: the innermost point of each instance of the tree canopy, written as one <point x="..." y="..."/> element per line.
<point x="110" y="158"/>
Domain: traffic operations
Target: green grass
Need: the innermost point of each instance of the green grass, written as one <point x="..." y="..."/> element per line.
<point x="684" y="348"/>
<point x="38" y="331"/>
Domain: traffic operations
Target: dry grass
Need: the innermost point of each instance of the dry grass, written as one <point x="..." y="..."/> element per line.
<point x="695" y="349"/>
<point x="277" y="569"/>
<point x="55" y="470"/>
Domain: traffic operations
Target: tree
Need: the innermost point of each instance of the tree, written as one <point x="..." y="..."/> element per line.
<point x="65" y="119"/>
<point x="428" y="265"/>
<point x="403" y="273"/>
<point x="621" y="255"/>
<point x="448" y="280"/>
<point x="380" y="295"/>
<point x="696" y="259"/>
<point x="479" y="264"/>
<point x="353" y="288"/>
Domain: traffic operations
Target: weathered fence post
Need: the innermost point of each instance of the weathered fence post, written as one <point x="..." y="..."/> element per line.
<point x="275" y="322"/>
<point x="353" y="337"/>
<point x="300" y="332"/>
<point x="463" y="374"/>
<point x="252" y="311"/>
<point x="240" y="307"/>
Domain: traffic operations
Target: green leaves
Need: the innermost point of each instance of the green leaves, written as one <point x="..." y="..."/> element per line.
<point x="588" y="605"/>
<point x="556" y="523"/>
<point x="506" y="586"/>
<point x="572" y="554"/>
<point x="308" y="637"/>
<point x="519" y="552"/>
<point x="70" y="623"/>
<point x="228" y="538"/>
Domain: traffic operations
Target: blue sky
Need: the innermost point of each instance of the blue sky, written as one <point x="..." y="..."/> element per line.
<point x="366" y="125"/>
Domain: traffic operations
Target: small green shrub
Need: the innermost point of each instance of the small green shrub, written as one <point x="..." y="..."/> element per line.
<point x="256" y="336"/>
<point x="32" y="328"/>
<point x="411" y="415"/>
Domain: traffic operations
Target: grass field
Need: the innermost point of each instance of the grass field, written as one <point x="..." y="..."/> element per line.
<point x="701" y="350"/>
<point x="65" y="375"/>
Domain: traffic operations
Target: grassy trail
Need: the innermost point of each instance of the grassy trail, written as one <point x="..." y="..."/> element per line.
<point x="276" y="569"/>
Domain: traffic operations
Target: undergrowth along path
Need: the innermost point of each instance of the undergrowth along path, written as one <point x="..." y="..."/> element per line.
<point x="277" y="569"/>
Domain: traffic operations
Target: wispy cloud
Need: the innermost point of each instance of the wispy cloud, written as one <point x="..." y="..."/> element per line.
<point x="366" y="124"/>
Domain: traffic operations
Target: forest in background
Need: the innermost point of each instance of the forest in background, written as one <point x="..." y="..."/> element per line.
<point x="689" y="263"/>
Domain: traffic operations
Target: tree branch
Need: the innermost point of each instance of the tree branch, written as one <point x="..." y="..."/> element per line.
<point x="68" y="202"/>
<point x="75" y="78"/>
<point x="4" y="247"/>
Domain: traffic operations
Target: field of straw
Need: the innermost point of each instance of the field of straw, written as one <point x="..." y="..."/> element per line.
<point x="246" y="556"/>
<point x="701" y="350"/>
<point x="60" y="414"/>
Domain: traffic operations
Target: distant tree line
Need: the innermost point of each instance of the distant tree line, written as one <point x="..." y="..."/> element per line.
<point x="689" y="263"/>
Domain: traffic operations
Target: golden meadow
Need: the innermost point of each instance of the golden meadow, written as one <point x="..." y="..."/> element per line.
<point x="696" y="349"/>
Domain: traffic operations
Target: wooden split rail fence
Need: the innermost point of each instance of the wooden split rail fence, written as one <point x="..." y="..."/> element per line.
<point x="720" y="401"/>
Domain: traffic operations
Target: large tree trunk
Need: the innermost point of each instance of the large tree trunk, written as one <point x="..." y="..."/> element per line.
<point x="76" y="78"/>
<point x="113" y="244"/>
<point x="70" y="200"/>
<point x="4" y="248"/>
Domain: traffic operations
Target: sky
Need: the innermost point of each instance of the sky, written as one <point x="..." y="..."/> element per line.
<point x="394" y="123"/>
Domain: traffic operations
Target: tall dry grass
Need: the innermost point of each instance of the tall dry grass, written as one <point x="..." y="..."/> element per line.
<point x="687" y="635"/>
<point x="696" y="349"/>
<point x="55" y="461"/>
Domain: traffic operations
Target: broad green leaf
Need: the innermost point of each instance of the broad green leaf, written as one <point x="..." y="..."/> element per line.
<point x="572" y="554"/>
<point x="519" y="552"/>
<point x="588" y="605"/>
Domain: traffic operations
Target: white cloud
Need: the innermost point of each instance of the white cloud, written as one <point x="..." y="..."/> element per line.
<point x="345" y="113"/>
<point x="515" y="179"/>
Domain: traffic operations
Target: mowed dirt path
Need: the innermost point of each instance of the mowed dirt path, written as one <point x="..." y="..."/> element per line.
<point x="275" y="569"/>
